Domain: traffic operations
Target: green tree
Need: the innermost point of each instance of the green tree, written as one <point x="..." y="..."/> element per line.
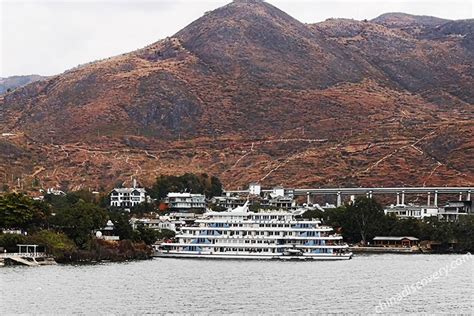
<point x="122" y="226"/>
<point x="202" y="183"/>
<point x="142" y="208"/>
<point x="464" y="233"/>
<point x="366" y="217"/>
<point x="20" y="211"/>
<point x="215" y="188"/>
<point x="147" y="235"/>
<point x="405" y="227"/>
<point x="165" y="234"/>
<point x="309" y="214"/>
<point x="10" y="241"/>
<point x="442" y="232"/>
<point x="55" y="243"/>
<point x="79" y="220"/>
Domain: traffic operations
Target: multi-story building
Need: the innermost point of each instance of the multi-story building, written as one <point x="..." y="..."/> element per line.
<point x="451" y="212"/>
<point x="127" y="197"/>
<point x="412" y="211"/>
<point x="454" y="209"/>
<point x="229" y="202"/>
<point x="172" y="221"/>
<point x="186" y="202"/>
<point x="279" y="198"/>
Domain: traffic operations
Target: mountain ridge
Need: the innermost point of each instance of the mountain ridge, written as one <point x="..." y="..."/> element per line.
<point x="248" y="93"/>
<point x="12" y="82"/>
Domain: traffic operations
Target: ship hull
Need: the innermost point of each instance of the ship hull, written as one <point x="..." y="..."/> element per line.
<point x="323" y="257"/>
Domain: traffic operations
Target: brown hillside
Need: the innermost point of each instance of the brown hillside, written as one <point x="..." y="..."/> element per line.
<point x="250" y="94"/>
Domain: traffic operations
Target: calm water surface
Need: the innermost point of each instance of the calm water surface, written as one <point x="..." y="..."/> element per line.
<point x="211" y="286"/>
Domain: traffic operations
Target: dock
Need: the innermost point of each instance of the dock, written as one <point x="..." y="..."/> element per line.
<point x="26" y="256"/>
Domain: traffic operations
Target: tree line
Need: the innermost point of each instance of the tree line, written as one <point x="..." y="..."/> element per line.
<point x="65" y="224"/>
<point x="194" y="183"/>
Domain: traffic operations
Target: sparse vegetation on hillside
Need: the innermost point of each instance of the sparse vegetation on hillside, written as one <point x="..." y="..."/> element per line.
<point x="248" y="93"/>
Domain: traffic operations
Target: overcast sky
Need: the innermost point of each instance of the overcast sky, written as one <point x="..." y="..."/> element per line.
<point x="49" y="36"/>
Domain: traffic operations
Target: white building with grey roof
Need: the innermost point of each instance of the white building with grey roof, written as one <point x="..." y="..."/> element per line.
<point x="127" y="197"/>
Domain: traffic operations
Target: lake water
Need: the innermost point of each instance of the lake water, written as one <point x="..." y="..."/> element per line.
<point x="165" y="285"/>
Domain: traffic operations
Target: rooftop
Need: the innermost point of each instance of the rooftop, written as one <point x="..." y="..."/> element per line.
<point x="129" y="190"/>
<point x="395" y="238"/>
<point x="185" y="194"/>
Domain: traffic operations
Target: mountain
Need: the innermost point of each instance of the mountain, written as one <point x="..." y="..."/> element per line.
<point x="249" y="93"/>
<point x="10" y="83"/>
<point x="401" y="20"/>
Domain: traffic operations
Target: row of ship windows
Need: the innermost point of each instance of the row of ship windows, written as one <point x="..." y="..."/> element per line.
<point x="243" y="249"/>
<point x="271" y="225"/>
<point x="253" y="233"/>
<point x="253" y="241"/>
<point x="255" y="218"/>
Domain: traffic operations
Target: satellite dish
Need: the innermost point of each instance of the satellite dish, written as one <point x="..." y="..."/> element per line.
<point x="98" y="234"/>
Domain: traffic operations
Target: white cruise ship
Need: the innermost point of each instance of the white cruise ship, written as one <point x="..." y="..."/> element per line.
<point x="242" y="234"/>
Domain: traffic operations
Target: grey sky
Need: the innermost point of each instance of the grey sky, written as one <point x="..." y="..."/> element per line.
<point x="49" y="36"/>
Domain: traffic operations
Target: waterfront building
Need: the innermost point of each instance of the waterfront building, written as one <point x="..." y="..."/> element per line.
<point x="280" y="202"/>
<point x="152" y="223"/>
<point x="240" y="233"/>
<point x="172" y="221"/>
<point x="186" y="202"/>
<point x="412" y="211"/>
<point x="229" y="202"/>
<point x="127" y="197"/>
<point x="279" y="198"/>
<point x="391" y="241"/>
<point x="454" y="209"/>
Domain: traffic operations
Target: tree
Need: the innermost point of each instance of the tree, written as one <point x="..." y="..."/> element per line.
<point x="142" y="208"/>
<point x="20" y="211"/>
<point x="79" y="220"/>
<point x="464" y="233"/>
<point x="405" y="227"/>
<point x="202" y="183"/>
<point x="122" y="225"/>
<point x="10" y="241"/>
<point x="365" y="216"/>
<point x="442" y="232"/>
<point x="147" y="235"/>
<point x="166" y="234"/>
<point x="66" y="201"/>
<point x="309" y="214"/>
<point x="215" y="189"/>
<point x="55" y="243"/>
